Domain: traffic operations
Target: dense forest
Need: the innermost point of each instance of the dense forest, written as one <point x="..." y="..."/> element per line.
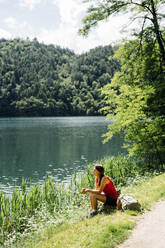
<point x="46" y="80"/>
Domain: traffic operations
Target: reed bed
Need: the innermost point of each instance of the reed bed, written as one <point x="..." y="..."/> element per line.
<point x="53" y="198"/>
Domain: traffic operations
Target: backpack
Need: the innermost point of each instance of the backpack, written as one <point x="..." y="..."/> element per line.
<point x="129" y="202"/>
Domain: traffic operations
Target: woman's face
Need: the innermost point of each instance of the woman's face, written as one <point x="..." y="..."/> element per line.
<point x="96" y="172"/>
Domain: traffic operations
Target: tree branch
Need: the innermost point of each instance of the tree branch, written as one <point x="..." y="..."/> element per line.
<point x="142" y="5"/>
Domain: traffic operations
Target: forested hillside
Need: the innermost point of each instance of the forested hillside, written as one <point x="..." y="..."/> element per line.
<point x="44" y="80"/>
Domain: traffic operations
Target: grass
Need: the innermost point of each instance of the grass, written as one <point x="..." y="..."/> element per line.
<point x="102" y="231"/>
<point x="29" y="206"/>
<point x="148" y="191"/>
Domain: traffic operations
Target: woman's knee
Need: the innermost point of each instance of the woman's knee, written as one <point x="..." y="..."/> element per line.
<point x="92" y="195"/>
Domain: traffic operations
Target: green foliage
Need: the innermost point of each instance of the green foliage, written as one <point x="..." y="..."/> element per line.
<point x="148" y="13"/>
<point x="90" y="72"/>
<point x="110" y="230"/>
<point x="44" y="80"/>
<point x="135" y="101"/>
<point x="122" y="170"/>
<point x="135" y="97"/>
<point x="32" y="202"/>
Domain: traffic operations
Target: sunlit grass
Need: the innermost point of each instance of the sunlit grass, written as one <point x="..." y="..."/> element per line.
<point x="98" y="232"/>
<point x="53" y="204"/>
<point x="149" y="191"/>
<point x="102" y="231"/>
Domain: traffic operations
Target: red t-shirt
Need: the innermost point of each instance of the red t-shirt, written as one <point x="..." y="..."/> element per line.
<point x="110" y="190"/>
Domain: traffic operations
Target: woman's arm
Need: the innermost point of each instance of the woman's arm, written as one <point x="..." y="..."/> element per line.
<point x="104" y="181"/>
<point x="97" y="183"/>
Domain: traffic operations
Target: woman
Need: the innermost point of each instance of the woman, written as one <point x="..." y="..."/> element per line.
<point x="104" y="184"/>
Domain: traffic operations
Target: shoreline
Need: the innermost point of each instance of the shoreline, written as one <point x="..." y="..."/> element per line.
<point x="27" y="208"/>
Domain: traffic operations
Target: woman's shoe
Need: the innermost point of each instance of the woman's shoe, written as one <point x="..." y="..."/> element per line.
<point x="92" y="213"/>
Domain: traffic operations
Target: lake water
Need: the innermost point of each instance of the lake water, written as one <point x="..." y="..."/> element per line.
<point x="35" y="147"/>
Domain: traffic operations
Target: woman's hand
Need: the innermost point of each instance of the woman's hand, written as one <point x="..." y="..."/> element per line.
<point x="84" y="191"/>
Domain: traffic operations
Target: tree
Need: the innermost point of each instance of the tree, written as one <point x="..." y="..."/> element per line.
<point x="135" y="97"/>
<point x="135" y="100"/>
<point x="147" y="11"/>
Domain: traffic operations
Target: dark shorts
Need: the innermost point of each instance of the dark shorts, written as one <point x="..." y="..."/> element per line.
<point x="110" y="201"/>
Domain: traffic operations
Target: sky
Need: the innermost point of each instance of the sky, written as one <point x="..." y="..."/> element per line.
<point x="56" y="22"/>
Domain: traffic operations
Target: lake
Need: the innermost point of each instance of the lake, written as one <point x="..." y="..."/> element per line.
<point x="35" y="147"/>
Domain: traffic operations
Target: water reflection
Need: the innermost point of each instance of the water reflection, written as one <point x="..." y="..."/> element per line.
<point x="34" y="147"/>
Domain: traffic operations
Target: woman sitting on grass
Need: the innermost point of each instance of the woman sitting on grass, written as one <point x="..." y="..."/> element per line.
<point x="104" y="184"/>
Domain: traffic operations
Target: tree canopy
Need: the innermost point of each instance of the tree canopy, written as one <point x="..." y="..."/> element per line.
<point x="46" y="80"/>
<point x="135" y="96"/>
<point x="135" y="100"/>
<point x="150" y="14"/>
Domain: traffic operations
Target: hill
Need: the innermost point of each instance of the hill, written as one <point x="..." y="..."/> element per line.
<point x="47" y="80"/>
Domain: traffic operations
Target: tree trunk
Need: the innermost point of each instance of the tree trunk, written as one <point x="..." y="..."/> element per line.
<point x="158" y="32"/>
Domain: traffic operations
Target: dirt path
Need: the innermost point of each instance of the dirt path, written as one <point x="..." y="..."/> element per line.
<point x="150" y="231"/>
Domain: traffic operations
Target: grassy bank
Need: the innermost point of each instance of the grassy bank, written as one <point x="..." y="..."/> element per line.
<point x="103" y="231"/>
<point x="56" y="213"/>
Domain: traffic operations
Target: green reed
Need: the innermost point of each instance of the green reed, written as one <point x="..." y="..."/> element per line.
<point x="122" y="168"/>
<point x="54" y="198"/>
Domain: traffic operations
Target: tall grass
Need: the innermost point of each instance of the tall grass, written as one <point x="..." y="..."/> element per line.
<point x="53" y="198"/>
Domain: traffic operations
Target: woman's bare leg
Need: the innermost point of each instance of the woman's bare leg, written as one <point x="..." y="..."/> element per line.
<point x="96" y="197"/>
